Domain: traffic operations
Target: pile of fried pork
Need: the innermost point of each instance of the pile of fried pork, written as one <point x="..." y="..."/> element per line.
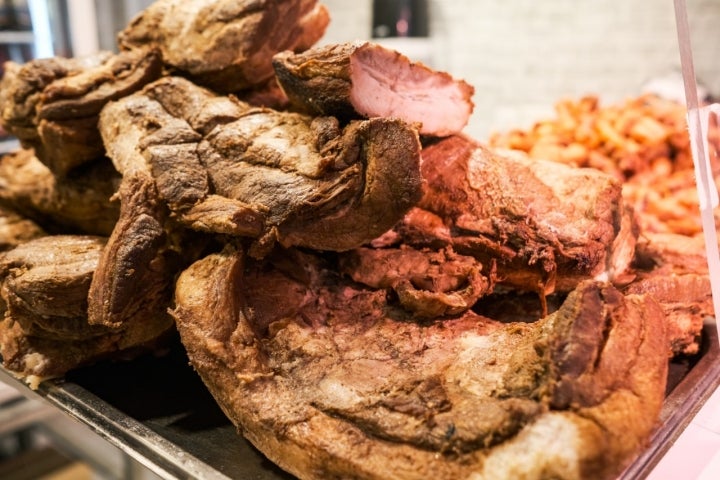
<point x="366" y="291"/>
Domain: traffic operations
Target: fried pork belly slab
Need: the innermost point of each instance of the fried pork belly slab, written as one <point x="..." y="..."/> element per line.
<point x="333" y="379"/>
<point x="226" y="45"/>
<point x="367" y="80"/>
<point x="80" y="202"/>
<point x="52" y="104"/>
<point x="224" y="167"/>
<point x="545" y="225"/>
<point x="44" y="331"/>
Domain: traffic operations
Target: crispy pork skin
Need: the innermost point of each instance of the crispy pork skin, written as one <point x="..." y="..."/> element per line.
<point x="52" y="104"/>
<point x="333" y="379"/>
<point x="80" y="202"/>
<point x="226" y="45"/>
<point x="222" y="166"/>
<point x="368" y="80"/>
<point x="547" y="226"/>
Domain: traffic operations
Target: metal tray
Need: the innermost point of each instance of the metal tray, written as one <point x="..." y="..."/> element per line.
<point x="158" y="411"/>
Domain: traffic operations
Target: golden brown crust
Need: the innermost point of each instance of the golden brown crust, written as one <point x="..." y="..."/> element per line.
<point x="44" y="330"/>
<point x="330" y="392"/>
<point x="52" y="104"/>
<point x="226" y="45"/>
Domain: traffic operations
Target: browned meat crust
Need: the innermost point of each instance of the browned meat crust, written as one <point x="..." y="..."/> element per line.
<point x="226" y="45"/>
<point x="222" y="166"/>
<point x="52" y="104"/>
<point x="366" y="80"/>
<point x="429" y="284"/>
<point x="133" y="273"/>
<point x="546" y="225"/>
<point x="44" y="331"/>
<point x="34" y="359"/>
<point x="673" y="269"/>
<point x="45" y="284"/>
<point x="16" y="229"/>
<point x="312" y="370"/>
<point x="78" y="203"/>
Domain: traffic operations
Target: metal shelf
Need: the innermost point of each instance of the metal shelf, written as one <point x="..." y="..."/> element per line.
<point x="18" y="414"/>
<point x="158" y="412"/>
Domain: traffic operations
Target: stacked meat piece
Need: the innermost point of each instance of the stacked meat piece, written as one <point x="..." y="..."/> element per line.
<point x="332" y="378"/>
<point x="327" y="242"/>
<point x="644" y="143"/>
<point x="85" y="210"/>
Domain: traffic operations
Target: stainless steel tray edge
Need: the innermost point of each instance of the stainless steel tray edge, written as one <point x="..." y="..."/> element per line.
<point x="162" y="457"/>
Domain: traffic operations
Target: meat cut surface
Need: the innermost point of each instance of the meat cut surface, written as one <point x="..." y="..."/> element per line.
<point x="52" y="104"/>
<point x="222" y="166"/>
<point x="226" y="45"/>
<point x="367" y="80"/>
<point x="333" y="379"/>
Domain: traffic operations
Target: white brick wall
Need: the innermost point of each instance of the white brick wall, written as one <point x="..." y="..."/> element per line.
<point x="524" y="55"/>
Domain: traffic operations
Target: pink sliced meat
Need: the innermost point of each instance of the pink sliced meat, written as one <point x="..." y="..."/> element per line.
<point x="368" y="80"/>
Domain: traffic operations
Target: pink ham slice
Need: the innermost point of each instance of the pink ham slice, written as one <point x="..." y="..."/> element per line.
<point x="368" y="80"/>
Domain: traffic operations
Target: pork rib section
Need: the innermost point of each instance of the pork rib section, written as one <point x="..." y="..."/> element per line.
<point x="222" y="166"/>
<point x="332" y="379"/>
<point x="368" y="80"/>
<point x="226" y="45"/>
